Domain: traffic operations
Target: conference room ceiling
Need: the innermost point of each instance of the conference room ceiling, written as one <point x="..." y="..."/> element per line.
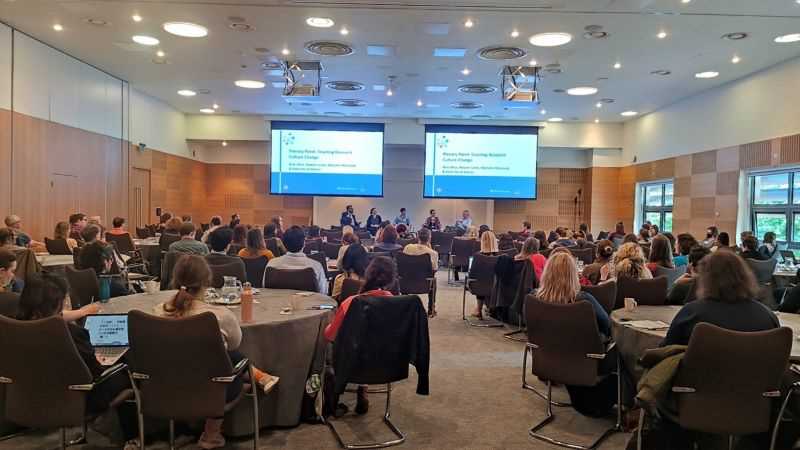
<point x="242" y="34"/>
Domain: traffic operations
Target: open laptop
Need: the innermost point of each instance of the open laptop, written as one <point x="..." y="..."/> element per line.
<point x="108" y="334"/>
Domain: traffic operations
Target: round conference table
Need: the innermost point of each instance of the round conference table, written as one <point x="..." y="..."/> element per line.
<point x="291" y="346"/>
<point x="48" y="260"/>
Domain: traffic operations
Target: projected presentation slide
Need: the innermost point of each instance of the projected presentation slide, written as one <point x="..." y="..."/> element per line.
<point x="323" y="158"/>
<point x="480" y="162"/>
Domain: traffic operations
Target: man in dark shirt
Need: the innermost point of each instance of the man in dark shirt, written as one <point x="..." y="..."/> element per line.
<point x="348" y="218"/>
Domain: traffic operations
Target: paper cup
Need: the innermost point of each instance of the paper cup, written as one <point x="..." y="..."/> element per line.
<point x="630" y="304"/>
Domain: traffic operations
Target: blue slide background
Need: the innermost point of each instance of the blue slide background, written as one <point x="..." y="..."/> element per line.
<point x="480" y="187"/>
<point x="326" y="184"/>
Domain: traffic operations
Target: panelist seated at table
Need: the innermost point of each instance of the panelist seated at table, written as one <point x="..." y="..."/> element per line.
<point x="294" y="239"/>
<point x="193" y="276"/>
<point x="100" y="256"/>
<point x="187" y="243"/>
<point x="44" y="296"/>
<point x="354" y="267"/>
<point x="464" y="222"/>
<point x="432" y="222"/>
<point x="349" y="217"/>
<point x="373" y="221"/>
<point x="403" y="218"/>
<point x="726" y="290"/>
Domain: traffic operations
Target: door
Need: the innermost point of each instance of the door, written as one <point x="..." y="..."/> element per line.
<point x="64" y="197"/>
<point x="140" y="201"/>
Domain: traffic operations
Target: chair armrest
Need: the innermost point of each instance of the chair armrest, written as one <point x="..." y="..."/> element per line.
<point x="240" y="367"/>
<point x="108" y="373"/>
<point x="611" y="345"/>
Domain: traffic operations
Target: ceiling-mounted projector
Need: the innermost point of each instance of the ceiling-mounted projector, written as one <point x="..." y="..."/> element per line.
<point x="519" y="84"/>
<point x="302" y="78"/>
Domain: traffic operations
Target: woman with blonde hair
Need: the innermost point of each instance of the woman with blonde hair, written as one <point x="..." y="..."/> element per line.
<point x="471" y="233"/>
<point x="629" y="261"/>
<point x="488" y="248"/>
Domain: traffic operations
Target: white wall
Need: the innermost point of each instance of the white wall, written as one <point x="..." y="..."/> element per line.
<point x="222" y="127"/>
<point x="157" y="124"/>
<point x="762" y="106"/>
<point x="236" y="152"/>
<point x="5" y="67"/>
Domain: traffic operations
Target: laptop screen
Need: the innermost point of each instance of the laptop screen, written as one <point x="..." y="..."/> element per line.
<point x="108" y="330"/>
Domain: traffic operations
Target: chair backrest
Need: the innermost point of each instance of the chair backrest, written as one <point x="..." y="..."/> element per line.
<point x="583" y="254"/>
<point x="566" y="336"/>
<point x="311" y="246"/>
<point x="331" y="250"/>
<point x="142" y="233"/>
<point x="231" y="269"/>
<point x="124" y="242"/>
<point x="735" y="377"/>
<point x="645" y="292"/>
<point x="179" y="379"/>
<point x="363" y="234"/>
<point x="414" y="273"/>
<point x="297" y="279"/>
<point x="788" y="256"/>
<point x="272" y="245"/>
<point x="605" y="294"/>
<point x="480" y="279"/>
<point x="320" y="258"/>
<point x="166" y="239"/>
<point x="404" y="242"/>
<point x="9" y="302"/>
<point x="463" y="249"/>
<point x="442" y="241"/>
<point x="57" y="246"/>
<point x="167" y="266"/>
<point x="763" y="270"/>
<point x="255" y="268"/>
<point x="510" y="251"/>
<point x="335" y="235"/>
<point x="83" y="286"/>
<point x="372" y="255"/>
<point x="40" y="359"/>
<point x="671" y="274"/>
<point x="233" y="249"/>
<point x="350" y="286"/>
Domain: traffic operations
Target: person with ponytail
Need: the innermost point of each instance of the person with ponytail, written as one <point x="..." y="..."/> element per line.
<point x="595" y="271"/>
<point x="191" y="276"/>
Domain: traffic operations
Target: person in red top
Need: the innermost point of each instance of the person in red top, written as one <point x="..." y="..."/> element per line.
<point x="530" y="250"/>
<point x="380" y="276"/>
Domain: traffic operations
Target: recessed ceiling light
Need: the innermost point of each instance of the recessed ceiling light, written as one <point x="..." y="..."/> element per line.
<point x="661" y="34"/>
<point x="617" y="65"/>
<point x="662" y="72"/>
<point x="596" y="120"/>
<point x="550" y="39"/>
<point x="58" y="27"/>
<point x="515" y="34"/>
<point x="207" y="111"/>
<point x="185" y="29"/>
<point x="582" y="90"/>
<point x="736" y="36"/>
<point x="187" y="93"/>
<point x="319" y="22"/>
<point x="469" y="23"/>
<point x="544" y="111"/>
<point x="136" y="18"/>
<point x="707" y="74"/>
<point x="533" y="63"/>
<point x="466" y="71"/>
<point x="685" y="1"/>
<point x="555" y="119"/>
<point x="735" y="59"/>
<point x="419" y="103"/>
<point x="285" y="51"/>
<point x="344" y="31"/>
<point x="215" y="106"/>
<point x="598" y="105"/>
<point x="629" y="113"/>
<point x="389" y="92"/>
<point x="145" y="40"/>
<point x="224" y="143"/>
<point x="249" y="84"/>
<point x="97" y="22"/>
<point x="788" y="38"/>
<point x="161" y="54"/>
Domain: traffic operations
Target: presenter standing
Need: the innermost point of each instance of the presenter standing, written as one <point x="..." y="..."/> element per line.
<point x="402" y="218"/>
<point x="348" y="218"/>
<point x="373" y="221"/>
<point x="464" y="222"/>
<point x="432" y="222"/>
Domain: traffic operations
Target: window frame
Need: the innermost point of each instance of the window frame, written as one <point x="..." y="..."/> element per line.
<point x="789" y="210"/>
<point x="661" y="210"/>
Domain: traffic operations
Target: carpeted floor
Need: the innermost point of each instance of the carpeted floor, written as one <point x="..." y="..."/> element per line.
<point x="476" y="401"/>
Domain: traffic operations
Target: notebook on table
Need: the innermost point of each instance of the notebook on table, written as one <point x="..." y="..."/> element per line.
<point x="108" y="334"/>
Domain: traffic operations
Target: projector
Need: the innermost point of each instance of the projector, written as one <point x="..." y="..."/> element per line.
<point x="302" y="90"/>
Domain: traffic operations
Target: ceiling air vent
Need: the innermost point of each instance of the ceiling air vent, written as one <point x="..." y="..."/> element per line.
<point x="328" y="48"/>
<point x="350" y="102"/>
<point x="553" y="68"/>
<point x="500" y="53"/>
<point x="477" y="89"/>
<point x="345" y="86"/>
<point x="466" y="105"/>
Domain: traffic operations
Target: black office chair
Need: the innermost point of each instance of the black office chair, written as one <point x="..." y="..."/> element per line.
<point x="231" y="269"/>
<point x="331" y="250"/>
<point x="57" y="246"/>
<point x="415" y="276"/>
<point x="84" y="288"/>
<point x="479" y="282"/>
<point x="296" y="279"/>
<point x="255" y="268"/>
<point x="9" y="301"/>
<point x="170" y="259"/>
<point x="462" y="251"/>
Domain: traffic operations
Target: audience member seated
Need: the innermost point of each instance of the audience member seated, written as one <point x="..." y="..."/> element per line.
<point x="750" y="249"/>
<point x="273" y="240"/>
<point x="630" y="238"/>
<point x="187" y="242"/>
<point x="585" y="230"/>
<point x="423" y="246"/>
<point x="77" y="222"/>
<point x="235" y="220"/>
<point x="470" y="234"/>
<point x="348" y="237"/>
<point x="506" y="242"/>
<point x="219" y="241"/>
<point x="482" y="229"/>
<point x="239" y="235"/>
<point x="684" y="288"/>
<point x="629" y="262"/>
<point x="172" y="226"/>
<point x="380" y="276"/>
<point x="789" y="297"/>
<point x="354" y="266"/>
<point x="215" y="223"/>
<point x="99" y="256"/>
<point x="660" y="254"/>
<point x="530" y="250"/>
<point x="402" y="231"/>
<point x="581" y="242"/>
<point x="526" y="229"/>
<point x="14" y="222"/>
<point x="117" y="224"/>
<point x="685" y="243"/>
<point x="91" y="233"/>
<point x="644" y="235"/>
<point x="373" y="221"/>
<point x="389" y="242"/>
<point x="723" y="242"/>
<point x="44" y="297"/>
<point x="293" y="239"/>
<point x="7" y="240"/>
<point x="186" y="218"/>
<point x="379" y="233"/>
<point x="726" y="291"/>
<point x="711" y="237"/>
<point x="562" y="240"/>
<point x="489" y="248"/>
<point x="432" y="222"/>
<point x="542" y="238"/>
<point x="618" y="233"/>
<point x="769" y="248"/>
<point x="255" y="247"/>
<point x="162" y="221"/>
<point x="278" y="222"/>
<point x="192" y="275"/>
<point x="599" y="270"/>
<point x="8" y="266"/>
<point x="62" y="232"/>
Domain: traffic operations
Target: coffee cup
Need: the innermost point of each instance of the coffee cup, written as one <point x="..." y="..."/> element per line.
<point x="630" y="304"/>
<point x="151" y="287"/>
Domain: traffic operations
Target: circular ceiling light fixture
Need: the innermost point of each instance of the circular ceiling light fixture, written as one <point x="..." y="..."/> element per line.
<point x="145" y="40"/>
<point x="618" y="65"/>
<point x="661" y="72"/>
<point x="249" y="84"/>
<point x="58" y="27"/>
<point x="187" y="93"/>
<point x="582" y="90"/>
<point x="555" y="119"/>
<point x="736" y="59"/>
<point x="661" y="34"/>
<point x="320" y="22"/>
<point x="97" y="22"/>
<point x="707" y="74"/>
<point x="185" y="29"/>
<point x="550" y="39"/>
<point x="788" y="38"/>
<point x="735" y="36"/>
<point x="628" y="113"/>
<point x="207" y="111"/>
<point x="136" y="18"/>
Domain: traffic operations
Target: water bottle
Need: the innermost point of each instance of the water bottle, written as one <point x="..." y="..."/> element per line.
<point x="105" y="289"/>
<point x="247" y="303"/>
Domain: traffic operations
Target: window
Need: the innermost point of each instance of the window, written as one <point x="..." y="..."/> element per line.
<point x="657" y="204"/>
<point x="775" y="205"/>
